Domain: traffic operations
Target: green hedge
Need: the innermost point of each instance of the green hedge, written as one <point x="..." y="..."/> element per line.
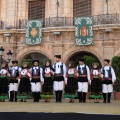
<point x="115" y="63"/>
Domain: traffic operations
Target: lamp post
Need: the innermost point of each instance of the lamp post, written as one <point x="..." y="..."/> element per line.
<point x="1" y="54"/>
<point x="9" y="55"/>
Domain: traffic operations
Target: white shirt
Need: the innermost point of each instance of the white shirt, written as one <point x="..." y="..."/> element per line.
<point x="4" y="71"/>
<point x="71" y="71"/>
<point x="41" y="72"/>
<point x="13" y="69"/>
<point x="58" y="68"/>
<point x="25" y="72"/>
<point x="95" y="72"/>
<point x="106" y="68"/>
<point x="16" y="68"/>
<point x="88" y="71"/>
<point x="47" y="70"/>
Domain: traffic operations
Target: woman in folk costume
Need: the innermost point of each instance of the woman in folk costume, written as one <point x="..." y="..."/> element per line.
<point x="83" y="79"/>
<point x="24" y="83"/>
<point x="4" y="82"/>
<point x="70" y="88"/>
<point x="14" y="77"/>
<point x="47" y="87"/>
<point x="96" y="84"/>
<point x="108" y="79"/>
<point x="37" y="80"/>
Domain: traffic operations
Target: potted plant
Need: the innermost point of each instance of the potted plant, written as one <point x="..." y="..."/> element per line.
<point x="116" y="66"/>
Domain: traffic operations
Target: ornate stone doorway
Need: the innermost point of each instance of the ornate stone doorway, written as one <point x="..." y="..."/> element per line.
<point x="75" y="57"/>
<point x="36" y="56"/>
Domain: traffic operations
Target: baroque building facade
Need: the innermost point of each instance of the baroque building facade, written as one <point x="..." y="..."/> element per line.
<point x="58" y="32"/>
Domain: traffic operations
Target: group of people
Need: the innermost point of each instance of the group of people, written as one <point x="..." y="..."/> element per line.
<point x="57" y="78"/>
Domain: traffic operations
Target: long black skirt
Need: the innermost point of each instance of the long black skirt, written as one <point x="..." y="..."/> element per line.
<point x="24" y="86"/>
<point x="3" y="85"/>
<point x="96" y="85"/>
<point x="47" y="87"/>
<point x="71" y="86"/>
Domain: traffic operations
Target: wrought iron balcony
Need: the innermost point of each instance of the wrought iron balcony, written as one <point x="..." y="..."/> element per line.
<point x="100" y="19"/>
<point x="106" y="19"/>
<point x="51" y="22"/>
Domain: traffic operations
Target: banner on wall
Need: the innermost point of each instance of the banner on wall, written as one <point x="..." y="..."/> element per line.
<point x="83" y="30"/>
<point x="33" y="32"/>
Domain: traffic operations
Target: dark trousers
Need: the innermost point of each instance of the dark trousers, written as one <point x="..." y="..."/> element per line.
<point x="58" y="95"/>
<point x="104" y="97"/>
<point x="82" y="97"/>
<point x="36" y="96"/>
<point x="13" y="96"/>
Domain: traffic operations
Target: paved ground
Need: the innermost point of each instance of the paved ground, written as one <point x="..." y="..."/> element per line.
<point x="89" y="107"/>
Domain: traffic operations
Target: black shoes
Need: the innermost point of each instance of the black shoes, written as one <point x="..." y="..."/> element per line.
<point x="71" y="101"/>
<point x="60" y="101"/>
<point x="84" y="101"/>
<point x="106" y="102"/>
<point x="80" y="101"/>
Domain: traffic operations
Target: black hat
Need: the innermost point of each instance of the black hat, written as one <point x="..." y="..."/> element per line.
<point x="107" y="60"/>
<point x="35" y="61"/>
<point x="82" y="59"/>
<point x="57" y="56"/>
<point x="14" y="61"/>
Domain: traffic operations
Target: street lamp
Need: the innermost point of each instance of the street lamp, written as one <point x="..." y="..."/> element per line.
<point x="1" y="54"/>
<point x="9" y="55"/>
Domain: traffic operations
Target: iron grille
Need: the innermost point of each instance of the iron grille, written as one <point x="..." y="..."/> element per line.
<point x="82" y="8"/>
<point x="36" y="9"/>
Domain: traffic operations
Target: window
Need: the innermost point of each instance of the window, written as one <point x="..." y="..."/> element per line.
<point x="81" y="8"/>
<point x="36" y="9"/>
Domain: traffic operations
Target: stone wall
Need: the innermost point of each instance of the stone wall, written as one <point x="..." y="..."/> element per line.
<point x="106" y="44"/>
<point x="100" y="7"/>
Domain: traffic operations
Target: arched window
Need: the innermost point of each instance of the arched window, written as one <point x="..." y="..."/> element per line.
<point x="82" y="8"/>
<point x="36" y="9"/>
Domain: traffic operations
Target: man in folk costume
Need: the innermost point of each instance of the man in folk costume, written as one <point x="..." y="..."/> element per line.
<point x="108" y="80"/>
<point x="37" y="80"/>
<point x="59" y="77"/>
<point x="83" y="78"/>
<point x="14" y="77"/>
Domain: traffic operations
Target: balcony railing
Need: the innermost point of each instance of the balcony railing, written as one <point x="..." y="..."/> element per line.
<point x="69" y="21"/>
<point x="51" y="22"/>
<point x="100" y="19"/>
<point x="106" y="19"/>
